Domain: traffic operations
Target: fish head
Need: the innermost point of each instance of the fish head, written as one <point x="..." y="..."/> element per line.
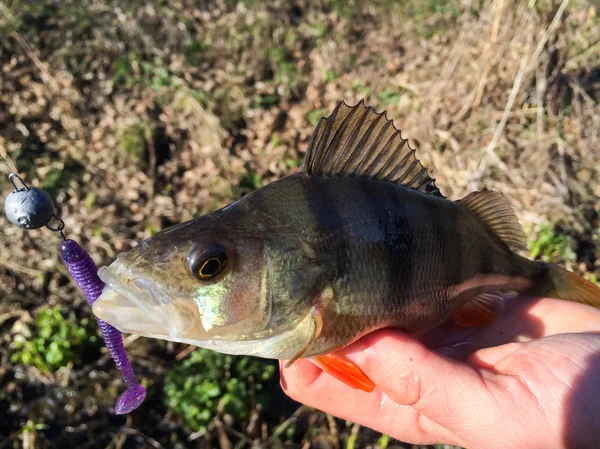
<point x="194" y="281"/>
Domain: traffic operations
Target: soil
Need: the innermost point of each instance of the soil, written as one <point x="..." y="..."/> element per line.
<point x="136" y="116"/>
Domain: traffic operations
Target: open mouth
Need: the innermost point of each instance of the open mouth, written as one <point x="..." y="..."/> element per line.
<point x="133" y="305"/>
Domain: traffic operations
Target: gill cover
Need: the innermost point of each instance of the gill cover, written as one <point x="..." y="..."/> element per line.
<point x="237" y="303"/>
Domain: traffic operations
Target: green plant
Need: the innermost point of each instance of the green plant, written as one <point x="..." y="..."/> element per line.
<point x="286" y="72"/>
<point x="251" y="180"/>
<point x="330" y="76"/>
<point x="194" y="51"/>
<point x="552" y="246"/>
<point x="431" y="17"/>
<point x="208" y="383"/>
<point x="31" y="427"/>
<point x="347" y="9"/>
<point x="388" y="96"/>
<point x="383" y="441"/>
<point x="265" y="101"/>
<point x="592" y="277"/>
<point x="133" y="69"/>
<point x="133" y="139"/>
<point x="361" y="88"/>
<point x="58" y="177"/>
<point x="57" y="341"/>
<point x="313" y="116"/>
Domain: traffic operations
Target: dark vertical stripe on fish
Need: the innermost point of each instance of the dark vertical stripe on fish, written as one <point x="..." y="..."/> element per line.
<point x="452" y="255"/>
<point x="404" y="256"/>
<point x="387" y="233"/>
<point x="323" y="208"/>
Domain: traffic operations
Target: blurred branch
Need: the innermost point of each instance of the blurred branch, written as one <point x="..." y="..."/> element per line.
<point x="284" y="425"/>
<point x="592" y="50"/>
<point x="525" y="67"/>
<point x="12" y="266"/>
<point x="46" y="76"/>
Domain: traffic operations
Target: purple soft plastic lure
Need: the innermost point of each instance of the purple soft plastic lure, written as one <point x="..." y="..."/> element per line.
<point x="84" y="273"/>
<point x="31" y="208"/>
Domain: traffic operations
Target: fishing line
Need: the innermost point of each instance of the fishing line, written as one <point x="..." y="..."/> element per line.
<point x="32" y="208"/>
<point x="9" y="170"/>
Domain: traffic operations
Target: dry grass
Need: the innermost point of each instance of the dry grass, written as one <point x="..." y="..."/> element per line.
<point x="137" y="117"/>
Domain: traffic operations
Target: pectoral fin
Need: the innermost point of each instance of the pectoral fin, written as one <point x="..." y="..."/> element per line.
<point x="483" y="310"/>
<point x="344" y="370"/>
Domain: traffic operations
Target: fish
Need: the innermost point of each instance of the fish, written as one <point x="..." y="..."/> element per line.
<point x="359" y="239"/>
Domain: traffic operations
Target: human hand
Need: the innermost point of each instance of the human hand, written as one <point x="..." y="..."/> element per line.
<point x="531" y="380"/>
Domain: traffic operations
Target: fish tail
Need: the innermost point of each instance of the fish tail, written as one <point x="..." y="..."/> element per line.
<point x="559" y="283"/>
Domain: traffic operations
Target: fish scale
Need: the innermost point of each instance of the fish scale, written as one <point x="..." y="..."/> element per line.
<point x="381" y="287"/>
<point x="359" y="239"/>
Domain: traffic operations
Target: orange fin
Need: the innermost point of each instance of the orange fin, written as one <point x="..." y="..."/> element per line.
<point x="344" y="370"/>
<point x="482" y="310"/>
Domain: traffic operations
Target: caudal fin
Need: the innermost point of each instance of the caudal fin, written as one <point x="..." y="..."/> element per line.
<point x="562" y="284"/>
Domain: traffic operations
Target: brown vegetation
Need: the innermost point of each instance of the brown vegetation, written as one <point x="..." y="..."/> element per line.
<point x="138" y="115"/>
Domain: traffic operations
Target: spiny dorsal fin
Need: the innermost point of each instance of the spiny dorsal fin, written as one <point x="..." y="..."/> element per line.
<point x="357" y="141"/>
<point x="496" y="211"/>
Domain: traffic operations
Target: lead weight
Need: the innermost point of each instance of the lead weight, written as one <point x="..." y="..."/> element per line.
<point x="29" y="208"/>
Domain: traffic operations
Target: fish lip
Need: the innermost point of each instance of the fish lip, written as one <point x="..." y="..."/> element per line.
<point x="149" y="298"/>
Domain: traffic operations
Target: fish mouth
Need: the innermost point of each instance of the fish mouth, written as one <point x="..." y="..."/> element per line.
<point x="134" y="305"/>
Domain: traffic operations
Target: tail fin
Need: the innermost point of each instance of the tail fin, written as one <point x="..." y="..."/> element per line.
<point x="562" y="284"/>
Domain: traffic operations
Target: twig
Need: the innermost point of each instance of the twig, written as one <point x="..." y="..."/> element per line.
<point x="8" y="439"/>
<point x="563" y="183"/>
<point x="15" y="267"/>
<point x="183" y="354"/>
<point x="517" y="113"/>
<point x="306" y="439"/>
<point x="26" y="47"/>
<point x="284" y="425"/>
<point x="540" y="88"/>
<point x="151" y="158"/>
<point x="547" y="34"/>
<point x="130" y="339"/>
<point x="524" y="67"/>
<point x="490" y="150"/>
<point x="353" y="435"/>
<point x="234" y="432"/>
<point x="224" y="442"/>
<point x="592" y="50"/>
<point x="333" y="431"/>
<point x="490" y="46"/>
<point x="152" y="441"/>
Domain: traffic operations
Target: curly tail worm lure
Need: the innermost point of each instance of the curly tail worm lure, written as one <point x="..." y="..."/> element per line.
<point x="31" y="208"/>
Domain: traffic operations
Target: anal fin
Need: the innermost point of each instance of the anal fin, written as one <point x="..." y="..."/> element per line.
<point x="482" y="310"/>
<point x="344" y="370"/>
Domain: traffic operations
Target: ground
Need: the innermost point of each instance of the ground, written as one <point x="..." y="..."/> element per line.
<point x="135" y="116"/>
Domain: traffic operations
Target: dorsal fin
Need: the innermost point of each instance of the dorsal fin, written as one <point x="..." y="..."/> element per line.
<point x="499" y="215"/>
<point x="357" y="141"/>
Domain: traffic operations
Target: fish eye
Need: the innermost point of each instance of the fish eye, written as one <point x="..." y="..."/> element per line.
<point x="207" y="263"/>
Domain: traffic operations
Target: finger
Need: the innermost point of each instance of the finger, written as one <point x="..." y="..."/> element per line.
<point x="433" y="394"/>
<point x="454" y="395"/>
<point x="490" y="357"/>
<point x="307" y="383"/>
<point x="524" y="319"/>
